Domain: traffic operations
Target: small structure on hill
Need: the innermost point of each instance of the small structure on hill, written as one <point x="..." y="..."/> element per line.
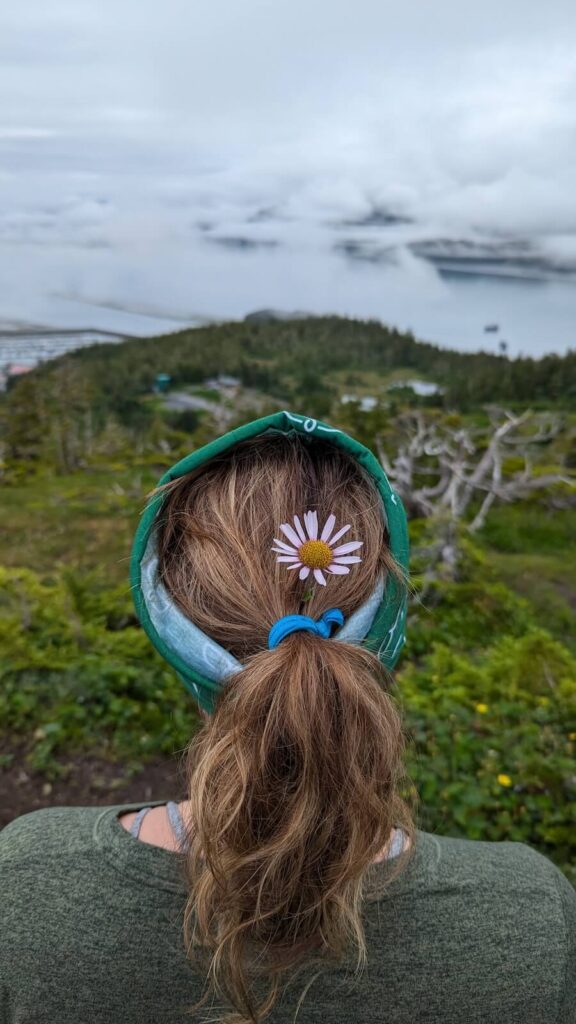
<point x="11" y="370"/>
<point x="367" y="402"/>
<point x="162" y="382"/>
<point x="424" y="388"/>
<point x="224" y="383"/>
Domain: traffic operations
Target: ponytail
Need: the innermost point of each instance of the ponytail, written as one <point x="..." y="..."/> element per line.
<point x="294" y="786"/>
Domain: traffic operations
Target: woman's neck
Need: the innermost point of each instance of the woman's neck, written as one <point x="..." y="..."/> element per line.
<point x="157" y="830"/>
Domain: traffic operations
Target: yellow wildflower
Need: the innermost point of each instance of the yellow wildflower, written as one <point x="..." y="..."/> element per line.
<point x="482" y="708"/>
<point x="572" y="735"/>
<point x="504" y="780"/>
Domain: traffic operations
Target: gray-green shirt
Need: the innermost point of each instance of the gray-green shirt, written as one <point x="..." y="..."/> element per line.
<point x="90" y="933"/>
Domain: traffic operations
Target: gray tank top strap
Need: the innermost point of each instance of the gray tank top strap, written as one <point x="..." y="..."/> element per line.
<point x="397" y="844"/>
<point x="135" y="826"/>
<point x="176" y="822"/>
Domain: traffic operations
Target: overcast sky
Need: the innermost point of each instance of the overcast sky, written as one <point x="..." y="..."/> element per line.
<point x="124" y="124"/>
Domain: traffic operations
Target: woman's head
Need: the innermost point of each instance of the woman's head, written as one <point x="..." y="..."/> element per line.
<point x="217" y="533"/>
<point x="293" y="782"/>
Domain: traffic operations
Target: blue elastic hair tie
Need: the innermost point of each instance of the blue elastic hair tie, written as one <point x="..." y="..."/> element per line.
<point x="291" y="623"/>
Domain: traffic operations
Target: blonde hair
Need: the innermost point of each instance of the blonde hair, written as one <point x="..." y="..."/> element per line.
<point x="294" y="781"/>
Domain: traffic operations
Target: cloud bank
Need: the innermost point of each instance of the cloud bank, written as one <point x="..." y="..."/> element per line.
<point x="143" y="147"/>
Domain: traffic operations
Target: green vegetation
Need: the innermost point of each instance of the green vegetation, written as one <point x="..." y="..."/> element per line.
<point x="487" y="683"/>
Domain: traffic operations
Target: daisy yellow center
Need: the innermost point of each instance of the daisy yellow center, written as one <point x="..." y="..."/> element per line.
<point x="316" y="554"/>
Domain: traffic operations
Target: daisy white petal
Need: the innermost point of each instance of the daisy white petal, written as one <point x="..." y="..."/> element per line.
<point x="297" y="565"/>
<point x="306" y="518"/>
<point x="338" y="570"/>
<point x="290" y="532"/>
<point x="346" y="559"/>
<point x="304" y="572"/>
<point x="284" y="545"/>
<point x="319" y="577"/>
<point x="287" y="558"/>
<point x="328" y="527"/>
<point x="339" y="534"/>
<point x="299" y="530"/>
<point x="311" y="520"/>
<point x="345" y="549"/>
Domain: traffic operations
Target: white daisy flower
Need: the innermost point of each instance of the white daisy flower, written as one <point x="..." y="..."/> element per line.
<point x="309" y="552"/>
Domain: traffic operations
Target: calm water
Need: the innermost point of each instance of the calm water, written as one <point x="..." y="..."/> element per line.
<point x="161" y="288"/>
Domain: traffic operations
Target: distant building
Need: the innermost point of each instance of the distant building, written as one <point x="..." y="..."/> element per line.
<point x="367" y="402"/>
<point x="13" y="370"/>
<point x="162" y="382"/>
<point x="223" y="382"/>
<point x="419" y="387"/>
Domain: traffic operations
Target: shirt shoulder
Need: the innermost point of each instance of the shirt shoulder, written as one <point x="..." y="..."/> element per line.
<point x="567" y="895"/>
<point x="492" y="863"/>
<point x="507" y="871"/>
<point x="37" y="834"/>
<point x="500" y="919"/>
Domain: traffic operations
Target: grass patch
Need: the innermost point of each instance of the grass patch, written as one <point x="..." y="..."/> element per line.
<point x="85" y="521"/>
<point x="372" y="382"/>
<point x="529" y="529"/>
<point x="548" y="582"/>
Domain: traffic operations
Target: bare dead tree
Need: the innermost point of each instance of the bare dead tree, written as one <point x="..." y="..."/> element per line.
<point x="462" y="463"/>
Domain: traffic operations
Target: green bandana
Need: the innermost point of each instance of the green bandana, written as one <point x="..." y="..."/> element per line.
<point x="202" y="664"/>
